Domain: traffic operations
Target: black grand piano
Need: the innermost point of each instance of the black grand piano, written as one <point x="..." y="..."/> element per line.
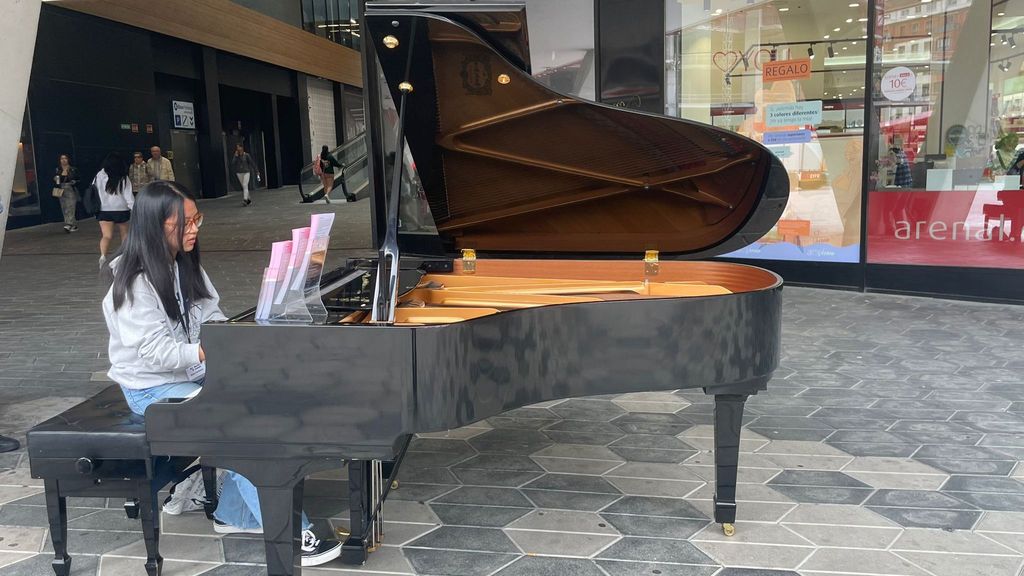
<point x="562" y="265"/>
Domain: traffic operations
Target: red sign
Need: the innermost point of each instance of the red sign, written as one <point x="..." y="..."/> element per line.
<point x="135" y="128"/>
<point x="149" y="128"/>
<point x="980" y="229"/>
<point x="787" y="70"/>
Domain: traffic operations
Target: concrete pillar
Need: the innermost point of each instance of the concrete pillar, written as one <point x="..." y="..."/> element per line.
<point x="17" y="43"/>
<point x="211" y="138"/>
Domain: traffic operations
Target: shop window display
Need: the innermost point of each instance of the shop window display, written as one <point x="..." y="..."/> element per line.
<point x="946" y="135"/>
<point x="791" y="77"/>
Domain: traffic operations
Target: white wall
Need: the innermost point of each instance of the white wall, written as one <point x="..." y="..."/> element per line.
<point x="322" y="129"/>
<point x="17" y="42"/>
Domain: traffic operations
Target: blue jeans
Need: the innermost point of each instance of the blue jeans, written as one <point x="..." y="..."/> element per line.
<point x="239" y="503"/>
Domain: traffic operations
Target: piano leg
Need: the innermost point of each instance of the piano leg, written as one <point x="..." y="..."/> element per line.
<point x="356" y="548"/>
<point x="728" y="423"/>
<point x="281" y="508"/>
<point x="57" y="513"/>
<point x="149" y="511"/>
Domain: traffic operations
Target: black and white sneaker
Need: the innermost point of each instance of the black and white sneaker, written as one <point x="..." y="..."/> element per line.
<point x="73" y="229"/>
<point x="67" y="228"/>
<point x="316" y="552"/>
<point x="222" y="528"/>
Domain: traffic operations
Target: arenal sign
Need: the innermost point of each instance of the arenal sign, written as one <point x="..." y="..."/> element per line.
<point x="786" y="70"/>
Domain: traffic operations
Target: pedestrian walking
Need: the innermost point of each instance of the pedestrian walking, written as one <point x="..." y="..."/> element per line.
<point x="158" y="167"/>
<point x="116" y="202"/>
<point x="137" y="172"/>
<point x="244" y="168"/>
<point x="65" y="188"/>
<point x="325" y="165"/>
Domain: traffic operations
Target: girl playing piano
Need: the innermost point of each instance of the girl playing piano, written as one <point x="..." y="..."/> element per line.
<point x="154" y="310"/>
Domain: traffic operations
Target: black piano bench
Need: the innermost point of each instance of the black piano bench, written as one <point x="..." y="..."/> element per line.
<point x="99" y="449"/>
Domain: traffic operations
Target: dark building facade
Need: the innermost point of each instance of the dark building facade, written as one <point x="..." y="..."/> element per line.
<point x="100" y="86"/>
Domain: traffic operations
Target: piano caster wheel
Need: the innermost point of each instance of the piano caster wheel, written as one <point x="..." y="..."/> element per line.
<point x="342" y="533"/>
<point x="728" y="529"/>
<point x="394" y="484"/>
<point x="131" y="509"/>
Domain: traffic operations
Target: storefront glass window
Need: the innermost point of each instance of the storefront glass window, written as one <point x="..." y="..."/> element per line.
<point x="336" y="20"/>
<point x="792" y="77"/>
<point x="946" y="155"/>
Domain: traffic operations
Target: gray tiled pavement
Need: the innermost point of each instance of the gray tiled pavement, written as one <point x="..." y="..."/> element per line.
<point x="889" y="443"/>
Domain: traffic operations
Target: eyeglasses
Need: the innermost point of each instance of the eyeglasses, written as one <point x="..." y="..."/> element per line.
<point x="196" y="221"/>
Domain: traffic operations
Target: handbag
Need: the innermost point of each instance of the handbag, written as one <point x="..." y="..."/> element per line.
<point x="58" y="191"/>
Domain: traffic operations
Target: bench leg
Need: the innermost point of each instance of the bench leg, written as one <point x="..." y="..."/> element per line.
<point x="210" y="485"/>
<point x="149" y="510"/>
<point x="57" y="513"/>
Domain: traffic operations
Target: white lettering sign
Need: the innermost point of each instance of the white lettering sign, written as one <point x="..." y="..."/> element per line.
<point x="184" y="114"/>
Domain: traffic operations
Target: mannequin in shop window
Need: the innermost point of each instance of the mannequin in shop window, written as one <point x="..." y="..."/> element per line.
<point x="901" y="165"/>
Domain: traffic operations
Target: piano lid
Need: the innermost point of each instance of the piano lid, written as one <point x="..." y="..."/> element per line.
<point x="510" y="166"/>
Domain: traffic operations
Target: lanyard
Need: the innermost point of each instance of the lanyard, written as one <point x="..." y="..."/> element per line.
<point x="183" y="306"/>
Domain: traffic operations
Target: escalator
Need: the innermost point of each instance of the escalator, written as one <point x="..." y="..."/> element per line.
<point x="353" y="179"/>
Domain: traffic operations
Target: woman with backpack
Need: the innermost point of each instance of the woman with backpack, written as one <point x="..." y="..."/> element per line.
<point x="323" y="166"/>
<point x="116" y="201"/>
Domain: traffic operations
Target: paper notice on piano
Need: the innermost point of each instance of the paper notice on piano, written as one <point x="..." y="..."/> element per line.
<point x="299" y="237"/>
<point x="280" y="254"/>
<point x="308" y="275"/>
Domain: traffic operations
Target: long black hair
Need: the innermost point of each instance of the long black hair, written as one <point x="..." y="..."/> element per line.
<point x="324" y="152"/>
<point x="116" y="172"/>
<point x="146" y="252"/>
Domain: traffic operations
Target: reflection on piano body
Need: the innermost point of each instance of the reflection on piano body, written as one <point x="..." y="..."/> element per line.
<point x="561" y="267"/>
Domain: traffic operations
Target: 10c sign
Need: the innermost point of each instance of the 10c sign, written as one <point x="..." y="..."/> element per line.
<point x="899" y="83"/>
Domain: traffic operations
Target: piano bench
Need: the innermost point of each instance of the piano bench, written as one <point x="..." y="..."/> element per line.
<point x="99" y="449"/>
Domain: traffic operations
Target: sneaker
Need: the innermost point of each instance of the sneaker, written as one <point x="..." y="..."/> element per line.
<point x="67" y="228"/>
<point x="316" y="552"/>
<point x="103" y="261"/>
<point x="246" y="202"/>
<point x="73" y="229"/>
<point x="222" y="528"/>
<point x="327" y="199"/>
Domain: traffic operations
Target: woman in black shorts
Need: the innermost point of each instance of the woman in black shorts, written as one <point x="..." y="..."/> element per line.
<point x="116" y="201"/>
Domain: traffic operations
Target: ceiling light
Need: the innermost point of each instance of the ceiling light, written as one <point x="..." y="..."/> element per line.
<point x="862" y="19"/>
<point x="707" y="5"/>
<point x="718" y="11"/>
<point x="783" y="9"/>
<point x="1001" y="14"/>
<point x="836" y="29"/>
<point x="1004" y="39"/>
<point x="845" y="47"/>
<point x="826" y="36"/>
<point x="1012" y="43"/>
<point x="854" y="5"/>
<point x="848" y="20"/>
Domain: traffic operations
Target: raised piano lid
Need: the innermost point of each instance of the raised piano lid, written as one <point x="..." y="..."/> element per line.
<point x="511" y="167"/>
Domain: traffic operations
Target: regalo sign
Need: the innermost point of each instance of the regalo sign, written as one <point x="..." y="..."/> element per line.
<point x="787" y="70"/>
